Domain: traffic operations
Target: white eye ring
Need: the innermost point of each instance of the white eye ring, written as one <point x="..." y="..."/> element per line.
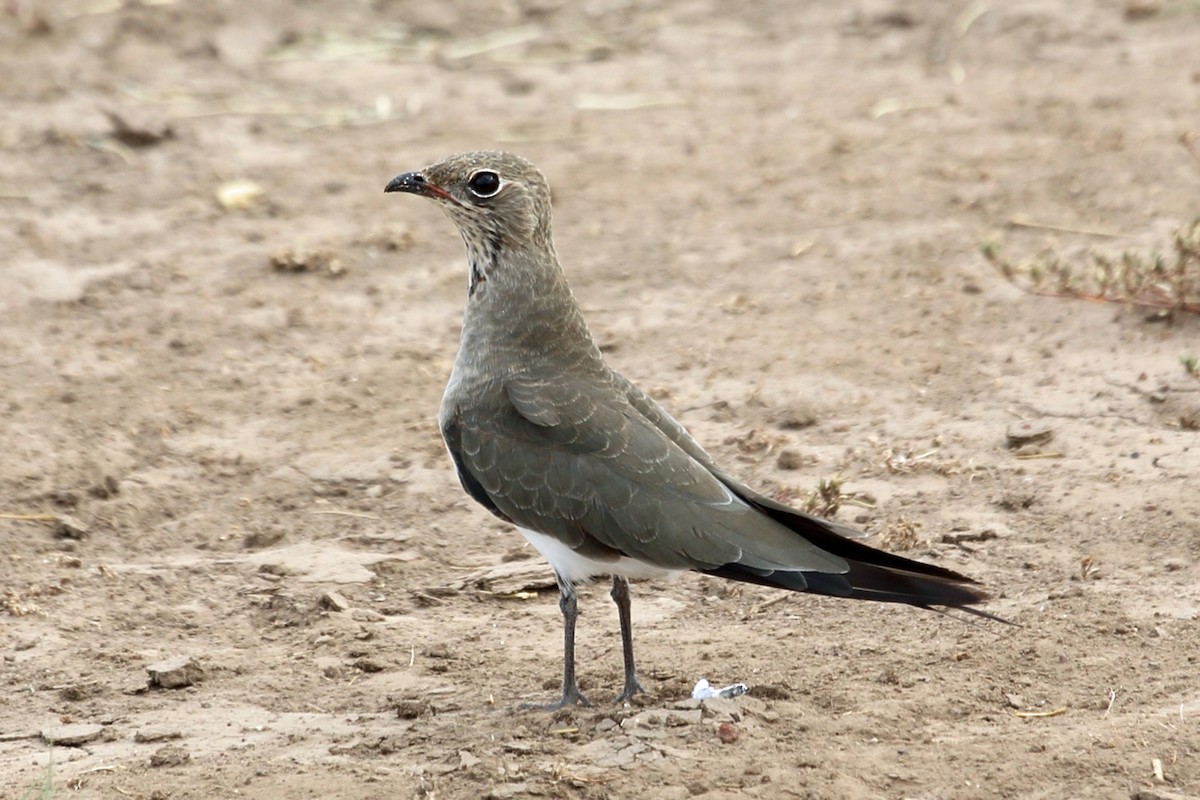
<point x="485" y="183"/>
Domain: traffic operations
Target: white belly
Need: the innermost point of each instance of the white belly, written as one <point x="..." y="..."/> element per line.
<point x="574" y="568"/>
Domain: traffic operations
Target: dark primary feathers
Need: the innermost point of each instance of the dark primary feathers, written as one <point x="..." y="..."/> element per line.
<point x="545" y="435"/>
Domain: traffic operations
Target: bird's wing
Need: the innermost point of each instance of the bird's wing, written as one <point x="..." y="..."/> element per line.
<point x="873" y="574"/>
<point x="575" y="460"/>
<point x="657" y="416"/>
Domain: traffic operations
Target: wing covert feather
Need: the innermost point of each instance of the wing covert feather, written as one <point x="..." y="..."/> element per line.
<point x="558" y="459"/>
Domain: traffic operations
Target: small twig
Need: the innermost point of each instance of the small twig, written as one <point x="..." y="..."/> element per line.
<point x="336" y="513"/>
<point x="31" y="517"/>
<point x="765" y="604"/>
<point x="102" y="768"/>
<point x="1018" y="222"/>
<point x="968" y="17"/>
<point x="1112" y="698"/>
<point x="1038" y="714"/>
<point x="497" y="40"/>
<point x="858" y="501"/>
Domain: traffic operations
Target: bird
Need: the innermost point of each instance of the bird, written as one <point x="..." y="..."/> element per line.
<point x="594" y="472"/>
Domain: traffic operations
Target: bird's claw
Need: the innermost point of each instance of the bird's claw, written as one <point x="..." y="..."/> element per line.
<point x="570" y="697"/>
<point x="632" y="687"/>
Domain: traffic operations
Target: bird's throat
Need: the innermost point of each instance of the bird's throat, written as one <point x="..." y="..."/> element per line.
<point x="478" y="276"/>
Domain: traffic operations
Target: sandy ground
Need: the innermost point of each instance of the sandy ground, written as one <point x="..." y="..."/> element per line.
<point x="773" y="219"/>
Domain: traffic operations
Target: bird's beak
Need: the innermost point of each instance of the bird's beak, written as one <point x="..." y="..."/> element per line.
<point x="415" y="183"/>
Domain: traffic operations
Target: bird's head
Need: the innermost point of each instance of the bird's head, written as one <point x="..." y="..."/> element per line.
<point x="497" y="200"/>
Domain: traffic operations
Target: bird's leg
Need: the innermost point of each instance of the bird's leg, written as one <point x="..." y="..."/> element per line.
<point x="571" y="695"/>
<point x="620" y="596"/>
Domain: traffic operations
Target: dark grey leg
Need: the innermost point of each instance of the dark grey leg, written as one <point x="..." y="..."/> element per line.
<point x="571" y="695"/>
<point x="620" y="596"/>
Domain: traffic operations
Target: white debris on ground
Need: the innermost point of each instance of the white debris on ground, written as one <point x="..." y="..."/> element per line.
<point x="705" y="690"/>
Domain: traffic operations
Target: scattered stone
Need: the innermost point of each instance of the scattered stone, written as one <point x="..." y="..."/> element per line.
<point x="1014" y="700"/>
<point x="80" y="691"/>
<point x="727" y="732"/>
<point x="959" y="538"/>
<point x="1016" y="500"/>
<point x="149" y="737"/>
<point x="505" y="791"/>
<point x="138" y="128"/>
<point x="513" y="578"/>
<point x="67" y="527"/>
<point x="790" y="459"/>
<point x="721" y="709"/>
<point x="322" y="261"/>
<point x="658" y="717"/>
<point x="170" y="755"/>
<point x="1142" y="9"/>
<point x="72" y="735"/>
<point x="796" y="417"/>
<point x="1028" y="433"/>
<point x="625" y="756"/>
<point x="265" y="537"/>
<point x="1160" y="794"/>
<point x="672" y="793"/>
<point x="752" y="705"/>
<point x="105" y="488"/>
<point x="175" y="673"/>
<point x="410" y="707"/>
<point x="368" y="665"/>
<point x="334" y="601"/>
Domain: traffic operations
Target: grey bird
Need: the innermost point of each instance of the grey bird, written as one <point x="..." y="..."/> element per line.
<point x="595" y="474"/>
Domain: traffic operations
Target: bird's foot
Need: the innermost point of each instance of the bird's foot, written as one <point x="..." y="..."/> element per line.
<point x="632" y="687"/>
<point x="571" y="697"/>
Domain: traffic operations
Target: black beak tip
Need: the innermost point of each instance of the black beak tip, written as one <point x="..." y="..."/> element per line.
<point x="412" y="182"/>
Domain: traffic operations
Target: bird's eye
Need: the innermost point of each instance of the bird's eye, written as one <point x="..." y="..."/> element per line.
<point x="484" y="183"/>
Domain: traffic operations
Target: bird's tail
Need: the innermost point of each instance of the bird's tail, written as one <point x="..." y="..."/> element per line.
<point x="872" y="575"/>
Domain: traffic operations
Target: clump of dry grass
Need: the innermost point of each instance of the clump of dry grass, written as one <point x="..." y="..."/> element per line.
<point x="826" y="499"/>
<point x="1170" y="285"/>
<point x="901" y="534"/>
<point x="1191" y="364"/>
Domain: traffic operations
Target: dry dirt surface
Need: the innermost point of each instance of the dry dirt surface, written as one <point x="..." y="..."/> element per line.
<point x="222" y="349"/>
